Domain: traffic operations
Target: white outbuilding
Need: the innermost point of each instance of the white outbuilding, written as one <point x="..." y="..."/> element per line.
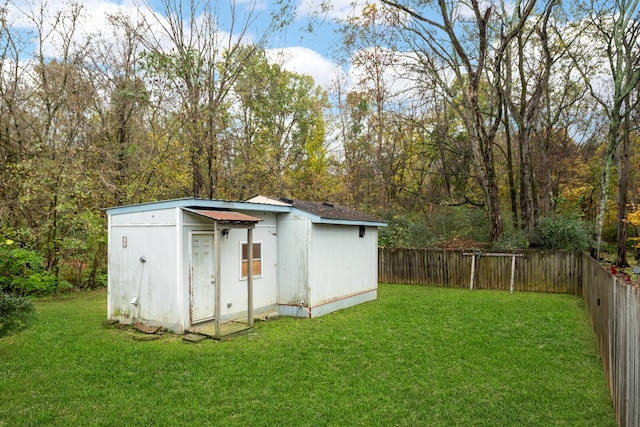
<point x="188" y="262"/>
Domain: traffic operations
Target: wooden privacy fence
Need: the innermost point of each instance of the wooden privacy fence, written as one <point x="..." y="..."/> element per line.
<point x="538" y="271"/>
<point x="614" y="308"/>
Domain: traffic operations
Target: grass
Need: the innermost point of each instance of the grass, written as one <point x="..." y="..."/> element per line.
<point x="417" y="356"/>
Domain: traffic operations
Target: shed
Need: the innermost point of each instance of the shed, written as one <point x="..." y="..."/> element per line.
<point x="186" y="262"/>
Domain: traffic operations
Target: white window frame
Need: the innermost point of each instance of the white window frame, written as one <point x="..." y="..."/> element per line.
<point x="243" y="260"/>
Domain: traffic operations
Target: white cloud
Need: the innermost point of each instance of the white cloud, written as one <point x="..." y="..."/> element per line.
<point x="53" y="21"/>
<point x="331" y="9"/>
<point x="302" y="60"/>
<point x="20" y="11"/>
<point x="94" y="19"/>
<point x="93" y="23"/>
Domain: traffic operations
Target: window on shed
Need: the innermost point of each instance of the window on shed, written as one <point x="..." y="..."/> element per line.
<point x="257" y="260"/>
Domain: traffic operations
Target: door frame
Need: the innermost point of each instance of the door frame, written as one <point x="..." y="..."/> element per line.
<point x="215" y="275"/>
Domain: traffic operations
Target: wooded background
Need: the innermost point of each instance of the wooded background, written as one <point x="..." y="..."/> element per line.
<point x="509" y="124"/>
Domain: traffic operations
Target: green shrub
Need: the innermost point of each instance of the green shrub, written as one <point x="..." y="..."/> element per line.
<point x="561" y="233"/>
<point x="84" y="249"/>
<point x="512" y="240"/>
<point x="15" y="313"/>
<point x="405" y="233"/>
<point x="439" y="223"/>
<point x="458" y="222"/>
<point x="22" y="271"/>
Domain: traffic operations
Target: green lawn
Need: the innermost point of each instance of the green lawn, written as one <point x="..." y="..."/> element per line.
<point x="417" y="356"/>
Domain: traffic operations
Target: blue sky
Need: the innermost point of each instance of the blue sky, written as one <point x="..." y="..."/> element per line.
<point x="296" y="48"/>
<point x="302" y="51"/>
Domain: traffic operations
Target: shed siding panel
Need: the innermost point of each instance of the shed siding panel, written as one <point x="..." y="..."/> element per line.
<point x="152" y="281"/>
<point x="342" y="303"/>
<point x="342" y="263"/>
<point x="293" y="253"/>
<point x="154" y="217"/>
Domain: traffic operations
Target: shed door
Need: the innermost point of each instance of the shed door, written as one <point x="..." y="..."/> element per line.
<point x="203" y="291"/>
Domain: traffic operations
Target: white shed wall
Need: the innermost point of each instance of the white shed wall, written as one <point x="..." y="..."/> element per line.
<point x="152" y="218"/>
<point x="134" y="237"/>
<point x="293" y="260"/>
<point x="342" y="264"/>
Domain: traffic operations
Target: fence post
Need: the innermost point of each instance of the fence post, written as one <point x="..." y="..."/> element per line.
<point x="513" y="272"/>
<point x="473" y="270"/>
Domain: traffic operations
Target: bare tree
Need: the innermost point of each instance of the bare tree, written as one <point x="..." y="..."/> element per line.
<point x="613" y="26"/>
<point x="201" y="57"/>
<point x="61" y="104"/>
<point x="376" y="147"/>
<point x="525" y="103"/>
<point x="468" y="42"/>
<point x="13" y="118"/>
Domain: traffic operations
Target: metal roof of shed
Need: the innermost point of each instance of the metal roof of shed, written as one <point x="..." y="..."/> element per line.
<point x="225" y="216"/>
<point x="328" y="210"/>
<point x="195" y="203"/>
<point x="318" y="213"/>
<point x="323" y="212"/>
<point x="227" y="219"/>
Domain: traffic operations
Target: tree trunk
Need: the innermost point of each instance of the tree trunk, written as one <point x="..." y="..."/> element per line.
<point x="601" y="209"/>
<point x="483" y="155"/>
<point x="527" y="183"/>
<point x="493" y="200"/>
<point x="548" y="194"/>
<point x="510" y="171"/>
<point x="622" y="193"/>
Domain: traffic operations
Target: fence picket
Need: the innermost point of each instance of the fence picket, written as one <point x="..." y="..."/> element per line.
<point x="534" y="271"/>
